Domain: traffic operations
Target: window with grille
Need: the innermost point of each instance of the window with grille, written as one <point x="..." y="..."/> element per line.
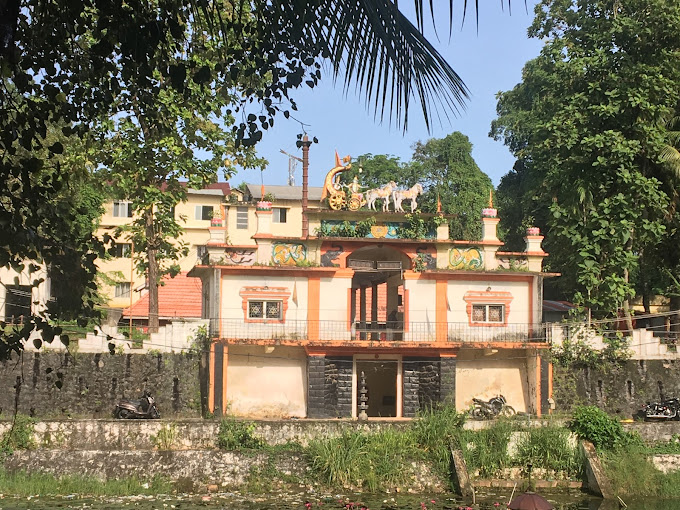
<point x="203" y="212"/>
<point x="279" y="215"/>
<point x="264" y="309"/>
<point x="242" y="218"/>
<point x="488" y="313"/>
<point x="122" y="209"/>
<point x="122" y="290"/>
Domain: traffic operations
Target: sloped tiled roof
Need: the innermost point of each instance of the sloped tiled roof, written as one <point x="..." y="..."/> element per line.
<point x="281" y="192"/>
<point x="178" y="297"/>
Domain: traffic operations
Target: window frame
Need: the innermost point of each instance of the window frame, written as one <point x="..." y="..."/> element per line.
<point x="125" y="250"/>
<point x="242" y="218"/>
<point x="117" y="204"/>
<point x="265" y="295"/>
<point x="485" y="307"/>
<point x="265" y="309"/>
<point x="120" y="294"/>
<point x="203" y="209"/>
<point x="487" y="299"/>
<point x="276" y="214"/>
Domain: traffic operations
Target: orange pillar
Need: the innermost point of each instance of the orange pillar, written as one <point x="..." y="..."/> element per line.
<point x="225" y="364"/>
<point x="211" y="379"/>
<point x="538" y="384"/>
<point x="441" y="311"/>
<point x="313" y="293"/>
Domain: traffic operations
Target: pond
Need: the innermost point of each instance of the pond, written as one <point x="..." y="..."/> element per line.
<point x="233" y="501"/>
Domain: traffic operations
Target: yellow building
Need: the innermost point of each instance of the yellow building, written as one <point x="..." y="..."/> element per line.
<point x="349" y="317"/>
<point x="123" y="285"/>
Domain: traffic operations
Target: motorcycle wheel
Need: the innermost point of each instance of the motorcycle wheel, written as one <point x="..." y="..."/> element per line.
<point x="508" y="411"/>
<point x="477" y="414"/>
<point x="123" y="414"/>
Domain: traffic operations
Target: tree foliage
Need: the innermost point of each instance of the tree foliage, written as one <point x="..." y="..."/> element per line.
<point x="585" y="125"/>
<point x="69" y="63"/>
<point x="447" y="171"/>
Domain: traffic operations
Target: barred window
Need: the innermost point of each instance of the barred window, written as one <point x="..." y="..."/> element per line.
<point x="264" y="309"/>
<point x="488" y="313"/>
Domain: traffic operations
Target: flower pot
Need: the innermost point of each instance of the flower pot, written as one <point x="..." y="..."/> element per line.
<point x="533" y="231"/>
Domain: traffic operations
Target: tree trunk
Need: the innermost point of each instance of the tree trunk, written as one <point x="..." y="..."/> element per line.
<point x="626" y="309"/>
<point x="152" y="271"/>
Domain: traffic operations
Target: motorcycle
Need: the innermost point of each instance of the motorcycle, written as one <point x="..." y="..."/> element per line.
<point x="487" y="410"/>
<point x="144" y="408"/>
<point x="664" y="410"/>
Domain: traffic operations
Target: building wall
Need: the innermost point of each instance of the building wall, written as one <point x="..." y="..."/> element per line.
<point x="272" y="385"/>
<point x="519" y="306"/>
<point x="482" y="373"/>
<point x="195" y="234"/>
<point x="421" y="310"/>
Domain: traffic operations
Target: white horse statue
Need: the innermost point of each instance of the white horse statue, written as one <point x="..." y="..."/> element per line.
<point x="384" y="193"/>
<point x="398" y="196"/>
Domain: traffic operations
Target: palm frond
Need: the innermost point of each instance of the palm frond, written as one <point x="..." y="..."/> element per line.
<point x="376" y="49"/>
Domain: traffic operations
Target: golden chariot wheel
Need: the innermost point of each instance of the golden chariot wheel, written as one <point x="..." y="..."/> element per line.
<point x="354" y="203"/>
<point x="336" y="201"/>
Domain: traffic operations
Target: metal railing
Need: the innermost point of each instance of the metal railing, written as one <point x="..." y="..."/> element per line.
<point x="304" y="330"/>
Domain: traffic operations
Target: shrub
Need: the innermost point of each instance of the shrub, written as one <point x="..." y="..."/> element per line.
<point x="20" y="436"/>
<point x="606" y="433"/>
<point x="236" y="434"/>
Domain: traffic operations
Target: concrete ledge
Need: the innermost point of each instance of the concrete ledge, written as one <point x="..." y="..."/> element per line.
<point x="192" y="434"/>
<point x="598" y="483"/>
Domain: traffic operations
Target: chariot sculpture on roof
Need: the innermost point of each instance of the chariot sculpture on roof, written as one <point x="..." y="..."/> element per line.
<point x="338" y="198"/>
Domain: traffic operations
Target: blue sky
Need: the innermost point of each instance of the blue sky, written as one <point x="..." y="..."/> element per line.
<point x="489" y="61"/>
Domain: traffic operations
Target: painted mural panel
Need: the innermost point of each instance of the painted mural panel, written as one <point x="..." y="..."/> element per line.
<point x="466" y="258"/>
<point x="330" y="254"/>
<point x="513" y="263"/>
<point x="288" y="254"/>
<point x="239" y="257"/>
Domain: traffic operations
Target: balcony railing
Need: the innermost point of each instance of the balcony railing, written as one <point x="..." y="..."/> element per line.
<point x="424" y="332"/>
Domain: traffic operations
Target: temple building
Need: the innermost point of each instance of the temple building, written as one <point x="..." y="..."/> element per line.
<point x="319" y="297"/>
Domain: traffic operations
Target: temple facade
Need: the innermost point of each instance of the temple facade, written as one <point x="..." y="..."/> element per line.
<point x="312" y="308"/>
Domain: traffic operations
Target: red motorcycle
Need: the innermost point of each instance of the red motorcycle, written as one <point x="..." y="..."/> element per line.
<point x="144" y="408"/>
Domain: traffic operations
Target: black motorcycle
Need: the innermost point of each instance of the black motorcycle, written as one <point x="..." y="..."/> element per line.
<point x="144" y="408"/>
<point x="487" y="410"/>
<point x="664" y="410"/>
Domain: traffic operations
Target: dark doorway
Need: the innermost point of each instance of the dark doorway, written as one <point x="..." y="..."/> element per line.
<point x="381" y="382"/>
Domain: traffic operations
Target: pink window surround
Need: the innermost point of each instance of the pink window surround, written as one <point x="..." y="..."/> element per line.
<point x="474" y="297"/>
<point x="265" y="294"/>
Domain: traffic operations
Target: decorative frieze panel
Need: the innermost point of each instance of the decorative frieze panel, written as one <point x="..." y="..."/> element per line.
<point x="466" y="258"/>
<point x="240" y="257"/>
<point x="289" y="254"/>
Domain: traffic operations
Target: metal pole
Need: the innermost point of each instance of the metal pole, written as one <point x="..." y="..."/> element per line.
<point x="305" y="184"/>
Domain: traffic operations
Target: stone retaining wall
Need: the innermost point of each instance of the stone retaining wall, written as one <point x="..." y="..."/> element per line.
<point x="92" y="383"/>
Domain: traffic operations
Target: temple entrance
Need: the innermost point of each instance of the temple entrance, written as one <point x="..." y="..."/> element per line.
<point x="382" y="383"/>
<point x="377" y="307"/>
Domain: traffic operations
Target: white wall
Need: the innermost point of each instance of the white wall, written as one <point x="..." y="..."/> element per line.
<point x="270" y="385"/>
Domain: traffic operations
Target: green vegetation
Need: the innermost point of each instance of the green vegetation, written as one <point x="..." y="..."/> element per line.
<point x="166" y="437"/>
<point x="237" y="435"/>
<point x="486" y="450"/>
<point x="373" y="461"/>
<point x="631" y="473"/>
<point x="19" y="436"/>
<point x="549" y="448"/>
<point x="21" y="484"/>
<point x="605" y="432"/>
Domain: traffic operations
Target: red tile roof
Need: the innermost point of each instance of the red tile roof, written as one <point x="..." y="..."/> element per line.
<point x="178" y="297"/>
